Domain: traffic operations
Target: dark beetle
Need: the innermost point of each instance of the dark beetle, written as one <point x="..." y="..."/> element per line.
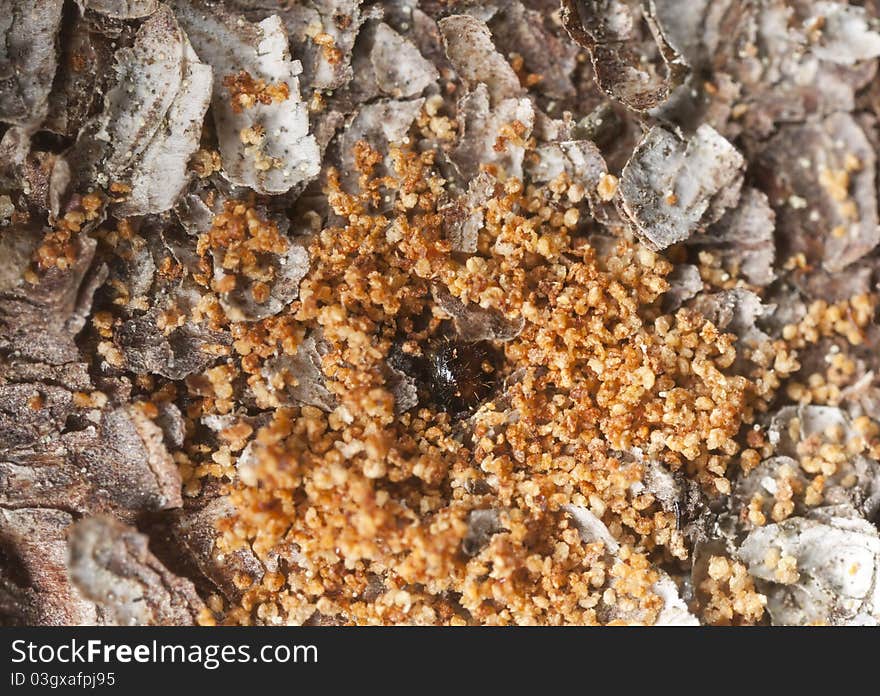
<point x="462" y="375"/>
<point x="455" y="376"/>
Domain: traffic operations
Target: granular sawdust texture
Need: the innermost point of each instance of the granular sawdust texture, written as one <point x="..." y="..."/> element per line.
<point x="379" y="504"/>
